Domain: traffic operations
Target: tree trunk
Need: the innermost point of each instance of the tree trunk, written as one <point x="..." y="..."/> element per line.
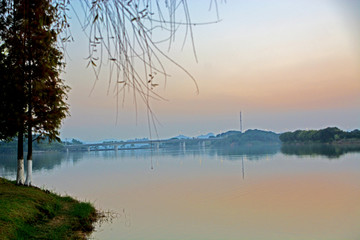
<point x="29" y="158"/>
<point x="20" y="156"/>
<point x="29" y="173"/>
<point x="29" y="137"/>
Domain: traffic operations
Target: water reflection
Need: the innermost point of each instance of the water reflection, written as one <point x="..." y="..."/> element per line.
<point x="252" y="192"/>
<point x="327" y="150"/>
<point x="51" y="160"/>
<point x="253" y="152"/>
<point x="41" y="161"/>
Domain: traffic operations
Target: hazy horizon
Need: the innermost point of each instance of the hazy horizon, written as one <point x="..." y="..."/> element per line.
<point x="286" y="65"/>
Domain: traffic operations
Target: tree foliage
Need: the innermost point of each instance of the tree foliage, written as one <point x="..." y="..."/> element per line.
<point x="325" y="135"/>
<point x="11" y="87"/>
<point x="132" y="38"/>
<point x="125" y="34"/>
<point x="32" y="90"/>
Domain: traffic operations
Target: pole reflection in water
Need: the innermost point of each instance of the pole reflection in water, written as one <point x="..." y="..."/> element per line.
<point x="242" y="167"/>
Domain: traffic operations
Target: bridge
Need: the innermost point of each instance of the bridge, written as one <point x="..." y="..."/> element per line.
<point x="131" y="145"/>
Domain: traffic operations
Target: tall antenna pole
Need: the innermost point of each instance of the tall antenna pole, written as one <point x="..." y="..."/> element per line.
<point x="240" y="123"/>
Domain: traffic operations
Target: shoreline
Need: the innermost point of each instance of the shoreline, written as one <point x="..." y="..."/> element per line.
<point x="34" y="213"/>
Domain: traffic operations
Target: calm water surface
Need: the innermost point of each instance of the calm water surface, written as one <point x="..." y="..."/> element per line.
<point x="260" y="193"/>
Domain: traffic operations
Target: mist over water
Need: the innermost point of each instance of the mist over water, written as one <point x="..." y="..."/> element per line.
<point x="259" y="192"/>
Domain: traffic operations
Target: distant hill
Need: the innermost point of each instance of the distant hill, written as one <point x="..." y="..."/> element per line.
<point x="234" y="138"/>
<point x="206" y="136"/>
<point x="228" y="133"/>
<point x="181" y="137"/>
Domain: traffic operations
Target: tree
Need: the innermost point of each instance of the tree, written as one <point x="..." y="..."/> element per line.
<point x="12" y="84"/>
<point x="46" y="91"/>
<point x="32" y="34"/>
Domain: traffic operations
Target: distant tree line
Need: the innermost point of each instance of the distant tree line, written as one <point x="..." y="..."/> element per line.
<point x="327" y="135"/>
<point x="43" y="145"/>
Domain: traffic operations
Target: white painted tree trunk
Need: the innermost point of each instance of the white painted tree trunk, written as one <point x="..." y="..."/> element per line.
<point x="20" y="178"/>
<point x="29" y="173"/>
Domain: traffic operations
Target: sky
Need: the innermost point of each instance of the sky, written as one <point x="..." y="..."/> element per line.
<point x="284" y="64"/>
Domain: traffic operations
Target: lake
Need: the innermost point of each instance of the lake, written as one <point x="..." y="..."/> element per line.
<point x="250" y="193"/>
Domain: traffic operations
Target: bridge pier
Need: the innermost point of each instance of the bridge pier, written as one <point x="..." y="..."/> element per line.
<point x="88" y="149"/>
<point x="116" y="147"/>
<point x="183" y="146"/>
<point x="202" y="144"/>
<point x="155" y="145"/>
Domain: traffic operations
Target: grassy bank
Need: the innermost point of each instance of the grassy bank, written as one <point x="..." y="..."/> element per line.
<point x="32" y="213"/>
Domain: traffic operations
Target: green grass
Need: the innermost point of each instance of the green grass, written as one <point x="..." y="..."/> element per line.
<point x="32" y="213"/>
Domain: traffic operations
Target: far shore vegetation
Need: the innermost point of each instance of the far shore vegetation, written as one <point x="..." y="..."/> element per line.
<point x="330" y="135"/>
<point x="34" y="213"/>
<point x="38" y="146"/>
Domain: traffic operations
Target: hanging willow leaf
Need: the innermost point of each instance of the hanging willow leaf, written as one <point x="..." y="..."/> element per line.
<point x="95" y="18"/>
